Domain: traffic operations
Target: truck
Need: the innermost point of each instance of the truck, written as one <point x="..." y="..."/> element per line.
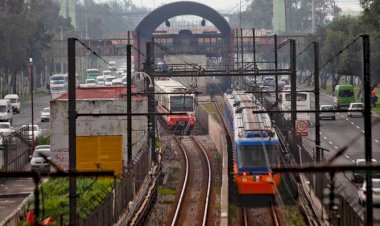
<point x="343" y="96"/>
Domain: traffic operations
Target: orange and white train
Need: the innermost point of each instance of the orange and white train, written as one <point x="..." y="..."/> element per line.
<point x="170" y="99"/>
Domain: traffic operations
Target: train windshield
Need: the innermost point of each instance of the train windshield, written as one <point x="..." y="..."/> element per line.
<point x="181" y="103"/>
<point x="258" y="156"/>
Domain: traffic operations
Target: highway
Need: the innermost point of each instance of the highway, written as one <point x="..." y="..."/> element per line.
<point x="336" y="134"/>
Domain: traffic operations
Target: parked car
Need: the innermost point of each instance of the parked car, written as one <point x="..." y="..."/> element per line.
<point x="15" y="102"/>
<point x="6" y="128"/>
<point x="6" y="112"/>
<point x="355" y="107"/>
<point x="328" y="115"/>
<point x="375" y="192"/>
<point x="45" y="114"/>
<point x="28" y="128"/>
<point x="358" y="176"/>
<point x="43" y="146"/>
<point x="38" y="162"/>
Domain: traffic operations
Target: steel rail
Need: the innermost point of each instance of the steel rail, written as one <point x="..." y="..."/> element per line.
<point x="179" y="205"/>
<point x="276" y="221"/>
<point x="245" y="216"/>
<point x="209" y="179"/>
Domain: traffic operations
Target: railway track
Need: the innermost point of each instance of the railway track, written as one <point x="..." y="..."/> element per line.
<point x="260" y="216"/>
<point x="192" y="203"/>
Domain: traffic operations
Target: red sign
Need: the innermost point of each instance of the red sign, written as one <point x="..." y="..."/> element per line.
<point x="301" y="127"/>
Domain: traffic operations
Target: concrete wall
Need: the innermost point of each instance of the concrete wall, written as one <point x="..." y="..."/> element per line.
<point x="96" y="125"/>
<point x="218" y="136"/>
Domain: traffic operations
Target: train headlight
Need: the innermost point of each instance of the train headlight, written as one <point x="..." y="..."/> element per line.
<point x="269" y="179"/>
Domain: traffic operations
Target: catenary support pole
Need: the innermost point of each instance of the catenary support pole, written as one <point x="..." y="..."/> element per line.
<point x="293" y="83"/>
<point x="276" y="66"/>
<point x="72" y="132"/>
<point x="129" y="106"/>
<point x="367" y="126"/>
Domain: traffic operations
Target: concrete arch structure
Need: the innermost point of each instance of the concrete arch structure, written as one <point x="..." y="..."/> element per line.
<point x="148" y="25"/>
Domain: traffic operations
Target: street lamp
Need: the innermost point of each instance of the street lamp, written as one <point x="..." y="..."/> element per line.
<point x="31" y="95"/>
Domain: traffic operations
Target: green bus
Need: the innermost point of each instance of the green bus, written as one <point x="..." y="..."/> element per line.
<point x="343" y="96"/>
<point x="92" y="73"/>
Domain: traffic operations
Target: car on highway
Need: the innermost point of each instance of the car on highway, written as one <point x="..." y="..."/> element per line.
<point x="45" y="114"/>
<point x="6" y="129"/>
<point x="327" y="115"/>
<point x="90" y="82"/>
<point x="28" y="127"/>
<point x="355" y="107"/>
<point x="375" y="192"/>
<point x="358" y="176"/>
<point x="15" y="102"/>
<point x="38" y="162"/>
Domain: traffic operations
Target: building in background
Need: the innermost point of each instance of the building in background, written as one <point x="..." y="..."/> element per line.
<point x="68" y="10"/>
<point x="279" y="20"/>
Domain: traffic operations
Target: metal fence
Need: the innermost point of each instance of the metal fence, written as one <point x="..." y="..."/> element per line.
<point x="116" y="202"/>
<point x="15" y="151"/>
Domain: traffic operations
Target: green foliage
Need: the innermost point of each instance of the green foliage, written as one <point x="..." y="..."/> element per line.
<point x="166" y="191"/>
<point x="90" y="193"/>
<point x="43" y="140"/>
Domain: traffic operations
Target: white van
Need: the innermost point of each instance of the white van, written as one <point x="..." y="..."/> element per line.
<point x="6" y="112"/>
<point x="15" y="102"/>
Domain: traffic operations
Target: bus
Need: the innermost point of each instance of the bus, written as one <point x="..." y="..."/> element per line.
<point x="92" y="73"/>
<point x="303" y="103"/>
<point x="58" y="85"/>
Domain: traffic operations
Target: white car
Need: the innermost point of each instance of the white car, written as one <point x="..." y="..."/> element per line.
<point x="45" y="115"/>
<point x="355" y="107"/>
<point x="90" y="82"/>
<point x="328" y="115"/>
<point x="15" y="102"/>
<point x="28" y="128"/>
<point x="109" y="79"/>
<point x="375" y="192"/>
<point x="38" y="162"/>
<point x="6" y="129"/>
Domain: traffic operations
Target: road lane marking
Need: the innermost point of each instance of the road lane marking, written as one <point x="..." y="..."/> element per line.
<point x="325" y="138"/>
<point x="353" y="161"/>
<point x="346" y="119"/>
<point x="330" y="142"/>
<point x="358" y="127"/>
<point x="342" y="116"/>
<point x="336" y="147"/>
<point x="352" y="123"/>
<point x="376" y="141"/>
<point x="347" y="156"/>
<point x="363" y="131"/>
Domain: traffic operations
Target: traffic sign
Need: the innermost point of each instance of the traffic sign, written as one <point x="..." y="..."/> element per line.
<point x="301" y="127"/>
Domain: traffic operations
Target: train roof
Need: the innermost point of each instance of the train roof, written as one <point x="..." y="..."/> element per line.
<point x="247" y="123"/>
<point x="170" y="85"/>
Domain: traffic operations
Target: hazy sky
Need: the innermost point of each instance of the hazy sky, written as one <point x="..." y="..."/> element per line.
<point x="227" y="6"/>
<point x="234" y="5"/>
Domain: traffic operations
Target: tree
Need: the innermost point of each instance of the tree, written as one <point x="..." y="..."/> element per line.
<point x="24" y="33"/>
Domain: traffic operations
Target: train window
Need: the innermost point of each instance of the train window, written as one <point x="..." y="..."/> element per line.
<point x="255" y="156"/>
<point x="181" y="103"/>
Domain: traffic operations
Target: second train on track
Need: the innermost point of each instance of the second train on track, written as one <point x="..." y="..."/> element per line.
<point x="255" y="145"/>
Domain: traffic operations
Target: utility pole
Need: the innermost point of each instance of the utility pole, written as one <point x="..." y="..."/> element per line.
<point x="129" y="107"/>
<point x="151" y="102"/>
<point x="367" y="126"/>
<point x="293" y="83"/>
<point x="276" y="65"/>
<point x="313" y="16"/>
<point x="32" y="99"/>
<point x="319" y="157"/>
<point x="72" y="132"/>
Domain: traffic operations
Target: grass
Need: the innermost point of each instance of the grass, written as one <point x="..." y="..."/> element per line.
<point x="166" y="191"/>
<point x="209" y="107"/>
